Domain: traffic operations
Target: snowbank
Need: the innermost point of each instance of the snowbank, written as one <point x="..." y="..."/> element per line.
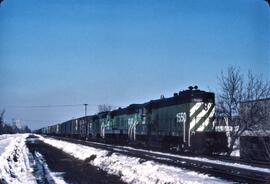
<point x="15" y="167"/>
<point x="131" y="169"/>
<point x="236" y="152"/>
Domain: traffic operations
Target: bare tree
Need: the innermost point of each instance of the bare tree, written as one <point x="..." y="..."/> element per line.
<point x="2" y="122"/>
<point x="242" y="103"/>
<point x="268" y="1"/>
<point x="104" y="108"/>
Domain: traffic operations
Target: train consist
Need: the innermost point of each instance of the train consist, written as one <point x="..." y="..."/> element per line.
<point x="183" y="122"/>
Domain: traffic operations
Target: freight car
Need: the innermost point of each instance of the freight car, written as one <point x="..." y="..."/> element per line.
<point x="183" y="122"/>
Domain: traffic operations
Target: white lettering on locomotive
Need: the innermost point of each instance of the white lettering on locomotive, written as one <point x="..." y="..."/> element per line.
<point x="181" y="117"/>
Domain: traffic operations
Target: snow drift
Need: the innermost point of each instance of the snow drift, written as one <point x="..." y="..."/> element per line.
<point x="15" y="166"/>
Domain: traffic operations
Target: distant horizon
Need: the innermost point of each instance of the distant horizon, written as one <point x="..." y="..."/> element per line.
<point x="121" y="52"/>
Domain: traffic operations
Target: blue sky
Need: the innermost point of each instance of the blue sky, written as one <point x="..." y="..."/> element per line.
<point x="121" y="52"/>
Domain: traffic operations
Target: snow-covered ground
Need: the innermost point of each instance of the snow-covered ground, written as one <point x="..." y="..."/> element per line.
<point x="17" y="163"/>
<point x="14" y="162"/>
<point x="131" y="169"/>
<point x="237" y="165"/>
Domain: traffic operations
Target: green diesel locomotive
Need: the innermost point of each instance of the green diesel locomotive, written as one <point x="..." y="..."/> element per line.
<point x="183" y="122"/>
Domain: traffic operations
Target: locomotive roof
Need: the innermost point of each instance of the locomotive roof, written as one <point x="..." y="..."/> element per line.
<point x="68" y="121"/>
<point x="182" y="97"/>
<point x="186" y="96"/>
<point x="103" y="114"/>
<point x="131" y="109"/>
<point x="86" y="117"/>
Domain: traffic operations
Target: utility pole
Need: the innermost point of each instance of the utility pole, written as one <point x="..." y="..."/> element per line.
<point x="85" y="109"/>
<point x="85" y="121"/>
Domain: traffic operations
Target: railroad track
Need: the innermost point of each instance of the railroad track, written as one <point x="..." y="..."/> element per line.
<point x="206" y="166"/>
<point x="241" y="161"/>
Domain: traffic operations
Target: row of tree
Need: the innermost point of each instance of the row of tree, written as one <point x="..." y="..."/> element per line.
<point x="13" y="128"/>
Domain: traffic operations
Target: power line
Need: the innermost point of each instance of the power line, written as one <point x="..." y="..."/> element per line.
<point x="48" y="106"/>
<point x="33" y="120"/>
<point x="42" y="106"/>
<point x="51" y="106"/>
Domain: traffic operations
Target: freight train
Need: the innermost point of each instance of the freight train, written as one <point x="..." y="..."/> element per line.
<point x="184" y="122"/>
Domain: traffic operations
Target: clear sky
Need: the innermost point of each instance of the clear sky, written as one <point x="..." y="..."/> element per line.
<point x="121" y="51"/>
